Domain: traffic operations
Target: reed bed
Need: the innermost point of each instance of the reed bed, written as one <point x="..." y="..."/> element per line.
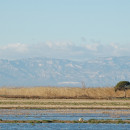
<point x="62" y="93"/>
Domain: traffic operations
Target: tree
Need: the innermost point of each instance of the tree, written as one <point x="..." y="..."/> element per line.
<point x="122" y="86"/>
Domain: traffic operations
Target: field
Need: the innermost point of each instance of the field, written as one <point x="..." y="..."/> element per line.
<point x="62" y="93"/>
<point x="49" y="107"/>
<point x="64" y="97"/>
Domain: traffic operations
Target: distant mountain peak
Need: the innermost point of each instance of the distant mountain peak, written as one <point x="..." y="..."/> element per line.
<point x="41" y="71"/>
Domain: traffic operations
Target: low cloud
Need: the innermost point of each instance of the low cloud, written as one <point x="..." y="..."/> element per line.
<point x="92" y="47"/>
<point x="63" y="50"/>
<point x="13" y="51"/>
<point x="18" y="47"/>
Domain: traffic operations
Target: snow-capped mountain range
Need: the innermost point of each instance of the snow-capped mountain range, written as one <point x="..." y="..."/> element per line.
<point x="100" y="72"/>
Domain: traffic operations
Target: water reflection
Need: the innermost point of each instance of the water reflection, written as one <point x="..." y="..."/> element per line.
<point x="62" y="114"/>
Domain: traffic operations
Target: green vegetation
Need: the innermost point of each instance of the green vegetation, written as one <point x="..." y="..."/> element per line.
<point x="103" y="103"/>
<point x="122" y="86"/>
<point x="123" y="103"/>
<point x="62" y="103"/>
<point x="119" y="121"/>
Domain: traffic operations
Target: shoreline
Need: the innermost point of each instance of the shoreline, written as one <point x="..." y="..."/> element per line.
<point x="92" y="121"/>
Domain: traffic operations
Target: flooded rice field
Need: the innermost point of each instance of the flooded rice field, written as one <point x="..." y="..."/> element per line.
<point x="63" y="126"/>
<point x="63" y="114"/>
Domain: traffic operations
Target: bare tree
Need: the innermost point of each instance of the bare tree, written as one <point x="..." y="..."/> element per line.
<point x="83" y="85"/>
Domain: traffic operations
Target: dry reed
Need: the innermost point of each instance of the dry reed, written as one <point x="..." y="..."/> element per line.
<point x="62" y="92"/>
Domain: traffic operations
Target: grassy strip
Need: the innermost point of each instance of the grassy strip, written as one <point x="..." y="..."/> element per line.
<point x="64" y="107"/>
<point x="63" y="104"/>
<point x="119" y="121"/>
<point x="66" y="103"/>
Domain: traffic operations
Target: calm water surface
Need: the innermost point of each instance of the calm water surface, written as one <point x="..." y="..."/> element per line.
<point x="20" y="114"/>
<point x="63" y="126"/>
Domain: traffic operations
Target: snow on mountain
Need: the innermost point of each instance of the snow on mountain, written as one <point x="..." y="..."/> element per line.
<point x="60" y="72"/>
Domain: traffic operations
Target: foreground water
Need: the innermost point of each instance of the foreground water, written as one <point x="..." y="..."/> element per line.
<point x="20" y="114"/>
<point x="63" y="126"/>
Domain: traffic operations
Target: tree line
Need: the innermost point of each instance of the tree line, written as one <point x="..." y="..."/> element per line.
<point x="122" y="86"/>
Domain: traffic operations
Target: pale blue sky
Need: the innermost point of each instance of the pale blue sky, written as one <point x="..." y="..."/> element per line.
<point x="86" y="22"/>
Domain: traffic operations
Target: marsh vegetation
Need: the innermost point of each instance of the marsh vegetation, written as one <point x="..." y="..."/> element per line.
<point x="62" y="93"/>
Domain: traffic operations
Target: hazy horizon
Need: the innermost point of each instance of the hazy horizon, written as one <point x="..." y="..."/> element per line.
<point x="67" y="29"/>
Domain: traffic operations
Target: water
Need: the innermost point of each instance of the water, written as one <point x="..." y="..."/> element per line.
<point x="58" y="116"/>
<point x="21" y="114"/>
<point x="63" y="126"/>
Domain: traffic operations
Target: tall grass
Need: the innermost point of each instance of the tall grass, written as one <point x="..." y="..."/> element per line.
<point x="62" y="92"/>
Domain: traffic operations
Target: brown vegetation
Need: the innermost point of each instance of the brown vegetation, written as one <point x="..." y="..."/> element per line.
<point x="62" y="93"/>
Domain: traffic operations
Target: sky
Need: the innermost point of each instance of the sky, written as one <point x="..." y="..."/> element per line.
<point x="70" y="29"/>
